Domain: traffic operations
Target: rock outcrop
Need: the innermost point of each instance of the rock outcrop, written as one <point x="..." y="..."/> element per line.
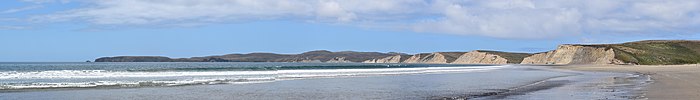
<point x="490" y="57"/>
<point x="575" y="54"/>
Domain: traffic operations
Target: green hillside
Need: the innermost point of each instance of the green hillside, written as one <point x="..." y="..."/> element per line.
<point x="658" y="52"/>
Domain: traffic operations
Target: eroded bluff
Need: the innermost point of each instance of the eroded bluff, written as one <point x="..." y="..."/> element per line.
<point x="575" y="54"/>
<point x="472" y="57"/>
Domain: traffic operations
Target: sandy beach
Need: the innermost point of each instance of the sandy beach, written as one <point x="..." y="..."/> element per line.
<point x="670" y="82"/>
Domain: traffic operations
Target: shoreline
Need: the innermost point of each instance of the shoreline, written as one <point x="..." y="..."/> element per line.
<point x="578" y="85"/>
<point x="584" y="85"/>
<point x="540" y="85"/>
<point x="669" y="81"/>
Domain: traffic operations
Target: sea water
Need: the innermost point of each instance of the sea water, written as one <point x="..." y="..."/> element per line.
<point x="239" y="80"/>
<point x="17" y="76"/>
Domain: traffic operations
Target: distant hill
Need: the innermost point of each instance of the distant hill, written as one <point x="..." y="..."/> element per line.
<point x="311" y="56"/>
<point x="474" y="57"/>
<point x="134" y="59"/>
<point x="650" y="52"/>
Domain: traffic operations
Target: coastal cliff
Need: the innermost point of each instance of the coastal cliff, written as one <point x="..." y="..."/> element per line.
<point x="390" y="59"/>
<point x="650" y="52"/>
<point x="338" y="60"/>
<point x="490" y="57"/>
<point x="575" y="54"/>
<point x="472" y="57"/>
<point x="436" y="57"/>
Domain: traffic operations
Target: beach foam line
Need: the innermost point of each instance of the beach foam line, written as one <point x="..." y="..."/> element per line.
<point x="285" y="74"/>
<point x="111" y="74"/>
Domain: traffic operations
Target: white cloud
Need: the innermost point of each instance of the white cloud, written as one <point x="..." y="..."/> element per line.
<point x="116" y="12"/>
<point x="328" y="9"/>
<point x="14" y="10"/>
<point x="494" y="18"/>
<point x="504" y="22"/>
<point x="551" y="18"/>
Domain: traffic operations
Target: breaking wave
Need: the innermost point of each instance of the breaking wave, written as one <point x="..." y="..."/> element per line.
<point x="103" y="78"/>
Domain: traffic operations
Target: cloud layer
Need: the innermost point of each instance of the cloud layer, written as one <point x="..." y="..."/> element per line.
<point x="493" y="18"/>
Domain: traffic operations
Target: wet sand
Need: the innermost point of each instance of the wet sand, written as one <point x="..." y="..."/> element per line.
<point x="670" y="82"/>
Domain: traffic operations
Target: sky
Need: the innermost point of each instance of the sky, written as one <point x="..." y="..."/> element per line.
<point x="79" y="30"/>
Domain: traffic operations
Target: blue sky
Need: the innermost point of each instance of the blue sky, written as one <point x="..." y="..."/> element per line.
<point x="79" y="30"/>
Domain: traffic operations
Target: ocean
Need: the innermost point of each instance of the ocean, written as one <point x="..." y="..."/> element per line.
<point x="300" y="81"/>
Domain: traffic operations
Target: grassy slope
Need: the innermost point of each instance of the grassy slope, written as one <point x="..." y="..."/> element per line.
<point x="658" y="52"/>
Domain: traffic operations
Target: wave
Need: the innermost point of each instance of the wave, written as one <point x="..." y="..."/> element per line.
<point x="122" y="84"/>
<point x="115" y="74"/>
<point x="102" y="78"/>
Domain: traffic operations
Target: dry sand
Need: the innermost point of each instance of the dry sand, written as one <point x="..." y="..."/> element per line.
<point x="671" y="82"/>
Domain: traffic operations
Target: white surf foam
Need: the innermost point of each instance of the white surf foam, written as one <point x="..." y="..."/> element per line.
<point x="59" y="74"/>
<point x="203" y="77"/>
<point x="134" y="83"/>
<point x="109" y="74"/>
<point x="383" y="71"/>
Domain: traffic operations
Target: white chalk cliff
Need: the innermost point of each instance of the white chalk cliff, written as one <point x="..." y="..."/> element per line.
<point x="390" y="59"/>
<point x="574" y="54"/>
<point x="473" y="57"/>
<point x="476" y="57"/>
<point x="436" y="57"/>
<point x="339" y="60"/>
